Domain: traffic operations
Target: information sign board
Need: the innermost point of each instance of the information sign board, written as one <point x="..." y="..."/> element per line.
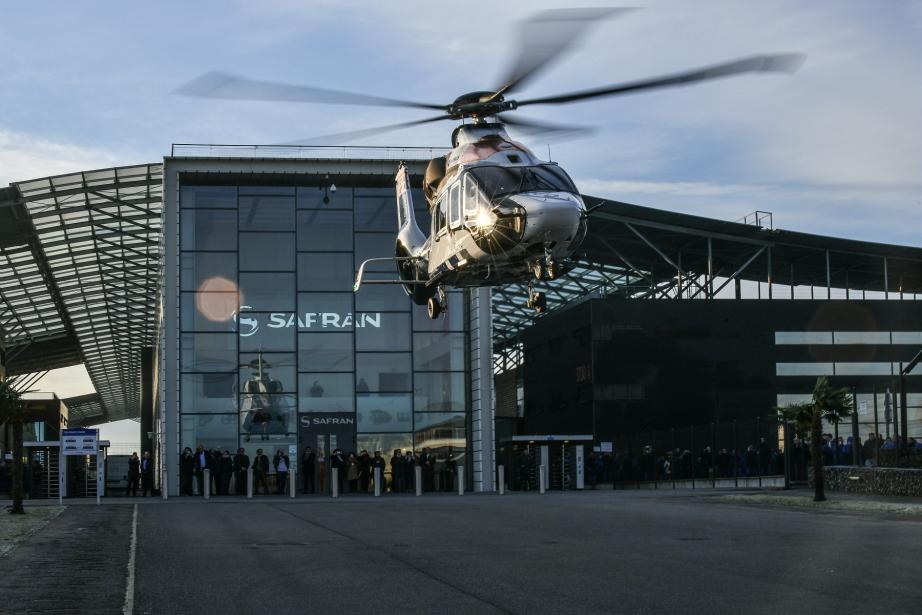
<point x="80" y="441"/>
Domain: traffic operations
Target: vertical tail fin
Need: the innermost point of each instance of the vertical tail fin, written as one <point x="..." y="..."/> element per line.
<point x="410" y="239"/>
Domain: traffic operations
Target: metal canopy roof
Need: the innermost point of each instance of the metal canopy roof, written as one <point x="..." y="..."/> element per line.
<point x="81" y="279"/>
<point x="80" y="258"/>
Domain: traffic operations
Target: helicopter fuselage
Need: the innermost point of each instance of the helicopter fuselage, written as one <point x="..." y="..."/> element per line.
<point x="497" y="213"/>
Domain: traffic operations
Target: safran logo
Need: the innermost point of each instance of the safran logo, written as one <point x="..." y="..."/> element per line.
<point x="248" y="322"/>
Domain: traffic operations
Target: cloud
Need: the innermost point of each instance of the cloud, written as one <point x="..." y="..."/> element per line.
<point x="24" y="156"/>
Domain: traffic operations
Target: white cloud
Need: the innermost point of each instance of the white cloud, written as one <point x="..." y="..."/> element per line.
<point x="25" y="156"/>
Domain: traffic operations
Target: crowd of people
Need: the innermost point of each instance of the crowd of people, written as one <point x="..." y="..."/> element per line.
<point x="355" y="471"/>
<point x="762" y="458"/>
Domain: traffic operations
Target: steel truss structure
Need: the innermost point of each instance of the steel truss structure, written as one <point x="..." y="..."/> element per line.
<point x="80" y="259"/>
<point x="637" y="252"/>
<point x="80" y="279"/>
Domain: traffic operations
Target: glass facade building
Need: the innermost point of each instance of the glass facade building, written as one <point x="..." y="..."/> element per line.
<point x="271" y="341"/>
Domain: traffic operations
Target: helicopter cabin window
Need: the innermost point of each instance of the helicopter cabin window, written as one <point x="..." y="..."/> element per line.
<point x="439" y="219"/>
<point x="454" y="205"/>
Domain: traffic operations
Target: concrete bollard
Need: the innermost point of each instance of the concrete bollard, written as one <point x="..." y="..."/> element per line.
<point x="163" y="486"/>
<point x="334" y="482"/>
<point x="418" y="475"/>
<point x="207" y="484"/>
<point x="378" y="478"/>
<point x="460" y="480"/>
<point x="501" y="471"/>
<point x="292" y="483"/>
<point x="542" y="478"/>
<point x="249" y="483"/>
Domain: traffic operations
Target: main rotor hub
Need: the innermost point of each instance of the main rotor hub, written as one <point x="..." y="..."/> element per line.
<point x="479" y="105"/>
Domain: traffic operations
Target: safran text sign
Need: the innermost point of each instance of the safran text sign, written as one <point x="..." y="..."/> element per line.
<point x="80" y="441"/>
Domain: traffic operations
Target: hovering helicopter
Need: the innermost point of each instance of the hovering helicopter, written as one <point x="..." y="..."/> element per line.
<point x="500" y="214"/>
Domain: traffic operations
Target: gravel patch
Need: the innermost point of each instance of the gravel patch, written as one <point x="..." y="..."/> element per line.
<point x="908" y="508"/>
<point x="16" y="528"/>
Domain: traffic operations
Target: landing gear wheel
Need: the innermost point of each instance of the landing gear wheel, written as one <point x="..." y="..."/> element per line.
<point x="539" y="270"/>
<point x="434" y="307"/>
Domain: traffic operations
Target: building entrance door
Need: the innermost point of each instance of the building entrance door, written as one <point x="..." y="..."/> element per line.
<point x="327" y="433"/>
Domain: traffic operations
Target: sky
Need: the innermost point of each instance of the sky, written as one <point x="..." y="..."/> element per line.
<point x="835" y="148"/>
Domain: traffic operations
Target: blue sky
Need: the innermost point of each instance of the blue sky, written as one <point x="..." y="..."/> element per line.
<point x="835" y="148"/>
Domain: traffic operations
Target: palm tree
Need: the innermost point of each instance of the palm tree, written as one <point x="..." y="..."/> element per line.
<point x="828" y="403"/>
<point x="13" y="413"/>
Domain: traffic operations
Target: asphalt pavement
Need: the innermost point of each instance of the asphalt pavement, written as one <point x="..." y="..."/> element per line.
<point x="589" y="552"/>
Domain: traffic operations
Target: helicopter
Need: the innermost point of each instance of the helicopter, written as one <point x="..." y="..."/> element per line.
<point x="499" y="213"/>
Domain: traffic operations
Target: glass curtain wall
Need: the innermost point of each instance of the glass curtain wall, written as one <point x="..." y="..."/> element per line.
<point x="271" y="329"/>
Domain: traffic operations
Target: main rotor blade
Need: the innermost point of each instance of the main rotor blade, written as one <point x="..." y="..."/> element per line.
<point x="365" y="132"/>
<point x="545" y="37"/>
<point x="779" y="63"/>
<point x="531" y="127"/>
<point x="216" y="84"/>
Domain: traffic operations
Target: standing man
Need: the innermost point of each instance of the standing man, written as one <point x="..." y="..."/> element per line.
<point x="308" y="459"/>
<point x="186" y="471"/>
<point x="241" y="463"/>
<point x="134" y="474"/>
<point x="147" y="475"/>
<point x="261" y="471"/>
<point x="281" y="463"/>
<point x="201" y="464"/>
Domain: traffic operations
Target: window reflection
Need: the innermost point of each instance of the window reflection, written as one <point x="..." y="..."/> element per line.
<point x="208" y="197"/>
<point x="267" y="292"/>
<point x="324" y="231"/>
<point x="267" y="251"/>
<point x="208" y="229"/>
<point x="438" y="351"/>
<point x="438" y="392"/>
<point x="267" y="213"/>
<point x="315" y="197"/>
<point x="274" y="371"/>
<point x="382" y="371"/>
<point x="319" y="392"/>
<point x="325" y="352"/>
<point x="263" y="414"/>
<point x="325" y="271"/>
<point x="384" y="412"/>
<point x="271" y="331"/>
<point x="208" y="393"/>
<point x="208" y="352"/>
<point x="197" y="267"/>
<point x="383" y="331"/>
<point x="209" y="430"/>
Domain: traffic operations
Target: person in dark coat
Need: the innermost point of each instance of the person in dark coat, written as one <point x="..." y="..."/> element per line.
<point x="409" y="471"/>
<point x="378" y="462"/>
<point x="261" y="472"/>
<point x="186" y="471"/>
<point x="202" y="462"/>
<point x="227" y="470"/>
<point x="134" y="474"/>
<point x="281" y="463"/>
<point x="364" y="471"/>
<point x="147" y="474"/>
<point x="308" y="467"/>
<point x="241" y="463"/>
<point x="338" y="462"/>
<point x="396" y="471"/>
<point x="427" y="462"/>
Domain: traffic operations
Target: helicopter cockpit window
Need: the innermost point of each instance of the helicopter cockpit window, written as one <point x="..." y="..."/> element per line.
<point x="471" y="197"/>
<point x="454" y="205"/>
<point x="498" y="181"/>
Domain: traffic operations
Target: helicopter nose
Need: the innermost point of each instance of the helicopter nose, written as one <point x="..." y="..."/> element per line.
<point x="551" y="217"/>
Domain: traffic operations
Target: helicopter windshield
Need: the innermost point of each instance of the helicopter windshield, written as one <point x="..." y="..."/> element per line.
<point x="499" y="181"/>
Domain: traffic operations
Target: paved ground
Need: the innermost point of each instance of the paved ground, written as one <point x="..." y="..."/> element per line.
<point x="592" y="552"/>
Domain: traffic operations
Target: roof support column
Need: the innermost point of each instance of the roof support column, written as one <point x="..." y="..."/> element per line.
<point x="710" y="280"/>
<point x="769" y="259"/>
<point x="828" y="277"/>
